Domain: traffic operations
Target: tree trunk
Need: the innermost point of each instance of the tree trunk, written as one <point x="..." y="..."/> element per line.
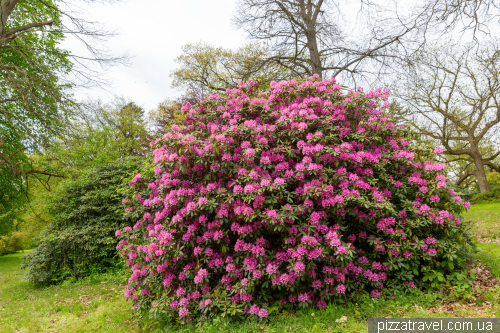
<point x="480" y="173"/>
<point x="481" y="178"/>
<point x="312" y="45"/>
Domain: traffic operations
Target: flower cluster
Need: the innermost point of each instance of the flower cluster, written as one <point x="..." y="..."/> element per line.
<point x="298" y="195"/>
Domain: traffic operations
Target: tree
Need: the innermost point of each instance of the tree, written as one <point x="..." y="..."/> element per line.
<point x="452" y="95"/>
<point x="214" y="69"/>
<point x="98" y="134"/>
<point x="306" y="36"/>
<point x="36" y="75"/>
<point x="476" y="16"/>
<point x="33" y="100"/>
<point x="126" y="119"/>
<point x="314" y="36"/>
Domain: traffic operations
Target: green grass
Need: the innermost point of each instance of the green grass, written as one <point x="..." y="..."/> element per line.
<point x="485" y="220"/>
<point x="87" y="306"/>
<point x="490" y="255"/>
<point x="411" y="306"/>
<point x="96" y="304"/>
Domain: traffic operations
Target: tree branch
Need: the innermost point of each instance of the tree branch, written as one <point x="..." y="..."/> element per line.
<point x="465" y="176"/>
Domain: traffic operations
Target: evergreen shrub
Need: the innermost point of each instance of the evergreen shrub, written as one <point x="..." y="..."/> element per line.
<point x="79" y="241"/>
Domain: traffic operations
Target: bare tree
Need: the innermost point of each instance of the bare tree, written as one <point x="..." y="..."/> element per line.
<point x="451" y="94"/>
<point x="312" y="36"/>
<point x="307" y="37"/>
<point x="476" y="16"/>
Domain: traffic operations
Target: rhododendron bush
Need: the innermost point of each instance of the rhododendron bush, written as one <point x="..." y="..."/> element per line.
<point x="293" y="197"/>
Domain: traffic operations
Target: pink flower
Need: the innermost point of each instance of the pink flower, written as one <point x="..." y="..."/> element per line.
<point x="321" y="304"/>
<point x="263" y="313"/>
<point x="407" y="254"/>
<point x="424" y="208"/>
<point x="341" y="289"/>
<point x="249" y="152"/>
<point x="265" y="160"/>
<point x="183" y="312"/>
<point x="272" y="214"/>
<point x="410" y="284"/>
<point x="435" y="198"/>
<point x="270" y="211"/>
<point x="375" y="293"/>
<point x="303" y="297"/>
<point x="438" y="150"/>
<point x="466" y="204"/>
<point x="299" y="266"/>
<point x="265" y="182"/>
<point x="441" y="184"/>
<point x="316" y="284"/>
<point x="191" y="206"/>
<point x="341" y="250"/>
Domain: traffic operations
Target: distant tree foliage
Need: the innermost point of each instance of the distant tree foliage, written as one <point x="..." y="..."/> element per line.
<point x="100" y="133"/>
<point x="128" y="125"/>
<point x="168" y="112"/>
<point x="214" y="69"/>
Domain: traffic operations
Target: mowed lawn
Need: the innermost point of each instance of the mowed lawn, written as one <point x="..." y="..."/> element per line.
<point x="87" y="306"/>
<point x="485" y="220"/>
<point x="97" y="303"/>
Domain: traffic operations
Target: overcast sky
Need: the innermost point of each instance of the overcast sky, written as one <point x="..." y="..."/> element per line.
<point x="153" y="32"/>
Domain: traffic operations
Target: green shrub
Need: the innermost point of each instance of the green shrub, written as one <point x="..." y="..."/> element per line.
<point x="80" y="238"/>
<point x="11" y="243"/>
<point x="487" y="197"/>
<point x="287" y="198"/>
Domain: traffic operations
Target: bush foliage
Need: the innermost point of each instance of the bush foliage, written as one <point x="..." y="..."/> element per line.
<point x="11" y="243"/>
<point x="80" y="238"/>
<point x="289" y="197"/>
<point x="487" y="197"/>
<point x="494" y="194"/>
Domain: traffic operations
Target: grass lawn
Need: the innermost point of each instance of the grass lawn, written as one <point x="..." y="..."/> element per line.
<point x="97" y="303"/>
<point x="87" y="306"/>
<point x="490" y="255"/>
<point x="485" y="219"/>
